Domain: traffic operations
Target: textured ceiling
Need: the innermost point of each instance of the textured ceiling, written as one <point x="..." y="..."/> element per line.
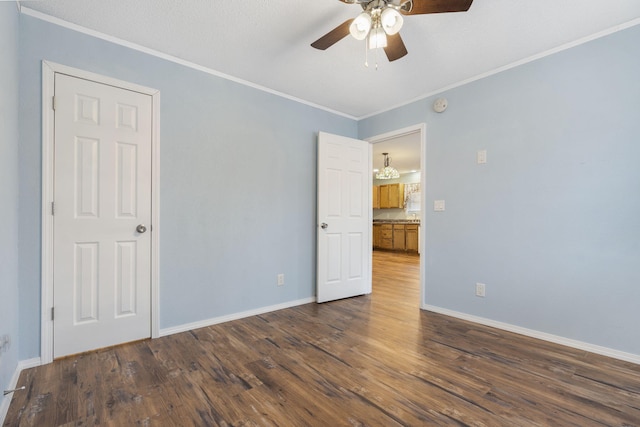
<point x="267" y="42"/>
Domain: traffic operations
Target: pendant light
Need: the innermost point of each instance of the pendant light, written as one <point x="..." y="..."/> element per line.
<point x="387" y="172"/>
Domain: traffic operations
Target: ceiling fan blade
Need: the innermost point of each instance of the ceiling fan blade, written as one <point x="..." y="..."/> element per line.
<point x="333" y="36"/>
<point x="395" y="47"/>
<point x="421" y="7"/>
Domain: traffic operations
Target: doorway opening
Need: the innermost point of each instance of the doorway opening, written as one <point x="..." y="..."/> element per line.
<point x="394" y="222"/>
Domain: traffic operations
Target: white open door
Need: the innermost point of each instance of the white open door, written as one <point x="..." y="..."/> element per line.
<point x="344" y="223"/>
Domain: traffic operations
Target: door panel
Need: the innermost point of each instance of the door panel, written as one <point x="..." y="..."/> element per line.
<point x="102" y="192"/>
<point x="125" y="283"/>
<point x="344" y="251"/>
<point x="85" y="291"/>
<point x="126" y="180"/>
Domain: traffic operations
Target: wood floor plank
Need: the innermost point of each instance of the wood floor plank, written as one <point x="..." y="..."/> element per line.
<point x="373" y="360"/>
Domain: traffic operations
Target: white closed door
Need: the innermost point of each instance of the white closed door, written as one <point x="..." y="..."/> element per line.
<point x="344" y="224"/>
<point x="102" y="214"/>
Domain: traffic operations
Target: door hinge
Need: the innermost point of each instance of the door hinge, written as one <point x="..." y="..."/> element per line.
<point x="53" y="103"/>
<point x="53" y="208"/>
<point x="52" y="313"/>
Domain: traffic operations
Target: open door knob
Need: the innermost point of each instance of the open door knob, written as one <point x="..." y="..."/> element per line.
<point x="141" y="228"/>
<point x="324" y="225"/>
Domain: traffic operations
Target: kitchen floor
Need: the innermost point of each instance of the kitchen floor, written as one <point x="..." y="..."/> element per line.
<point x="396" y="277"/>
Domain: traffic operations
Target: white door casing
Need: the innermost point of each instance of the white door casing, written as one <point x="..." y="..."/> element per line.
<point x="102" y="176"/>
<point x="344" y="218"/>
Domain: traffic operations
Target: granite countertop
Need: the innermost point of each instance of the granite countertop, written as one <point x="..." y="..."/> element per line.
<point x="396" y="221"/>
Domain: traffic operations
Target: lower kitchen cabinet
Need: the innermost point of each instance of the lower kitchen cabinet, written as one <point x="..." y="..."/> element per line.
<point x="397" y="237"/>
<point x="411" y="237"/>
<point x="377" y="235"/>
<point x="386" y="236"/>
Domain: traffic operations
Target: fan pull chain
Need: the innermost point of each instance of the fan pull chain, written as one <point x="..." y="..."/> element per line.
<point x="366" y="53"/>
<point x="376" y="56"/>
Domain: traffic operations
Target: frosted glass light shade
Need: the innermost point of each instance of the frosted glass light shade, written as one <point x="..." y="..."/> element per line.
<point x="360" y="26"/>
<point x="388" y="173"/>
<point x="391" y="21"/>
<point x="377" y="38"/>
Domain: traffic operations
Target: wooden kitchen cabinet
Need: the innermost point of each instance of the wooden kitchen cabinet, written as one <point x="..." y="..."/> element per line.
<point x="386" y="236"/>
<point x="376" y="197"/>
<point x="391" y="196"/>
<point x="411" y="237"/>
<point x="383" y="202"/>
<point x="396" y="196"/>
<point x="398" y="237"/>
<point x="377" y="235"/>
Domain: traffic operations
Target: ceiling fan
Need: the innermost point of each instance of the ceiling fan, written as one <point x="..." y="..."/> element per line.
<point x="381" y="20"/>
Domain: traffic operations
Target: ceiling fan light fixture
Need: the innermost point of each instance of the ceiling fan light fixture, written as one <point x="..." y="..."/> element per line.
<point x="360" y="26"/>
<point x="380" y="18"/>
<point x="377" y="38"/>
<point x="391" y="21"/>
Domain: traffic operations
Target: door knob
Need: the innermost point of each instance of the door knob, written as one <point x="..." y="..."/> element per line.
<point x="141" y="228"/>
<point x="324" y="225"/>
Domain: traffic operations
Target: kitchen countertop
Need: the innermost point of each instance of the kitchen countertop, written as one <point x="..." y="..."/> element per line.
<point x="397" y="221"/>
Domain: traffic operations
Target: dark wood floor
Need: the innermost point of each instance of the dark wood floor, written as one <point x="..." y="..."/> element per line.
<point x="368" y="361"/>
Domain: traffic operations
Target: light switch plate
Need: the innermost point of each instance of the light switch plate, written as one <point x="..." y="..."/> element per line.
<point x="481" y="157"/>
<point x="438" y="205"/>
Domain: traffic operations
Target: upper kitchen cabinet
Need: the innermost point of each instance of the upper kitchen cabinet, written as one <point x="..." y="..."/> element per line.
<point x="376" y="197"/>
<point x="390" y="196"/>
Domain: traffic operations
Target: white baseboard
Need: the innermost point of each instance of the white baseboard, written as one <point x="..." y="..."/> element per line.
<point x="235" y="316"/>
<point x="6" y="401"/>
<point x="580" y="345"/>
<point x="29" y="363"/>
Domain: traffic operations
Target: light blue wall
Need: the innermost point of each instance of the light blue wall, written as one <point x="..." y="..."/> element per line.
<point x="8" y="191"/>
<point x="551" y="224"/>
<point x="237" y="192"/>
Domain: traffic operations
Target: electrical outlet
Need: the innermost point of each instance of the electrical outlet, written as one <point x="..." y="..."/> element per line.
<point x="281" y="279"/>
<point x="480" y="289"/>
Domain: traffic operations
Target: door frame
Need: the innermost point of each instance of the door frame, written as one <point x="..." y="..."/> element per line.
<point x="49" y="69"/>
<point x="421" y="129"/>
